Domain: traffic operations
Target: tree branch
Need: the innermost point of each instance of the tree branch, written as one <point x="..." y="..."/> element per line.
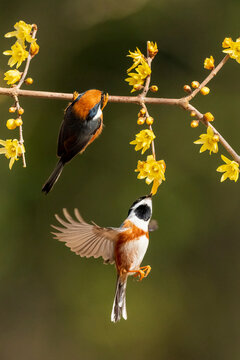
<point x="139" y="100"/>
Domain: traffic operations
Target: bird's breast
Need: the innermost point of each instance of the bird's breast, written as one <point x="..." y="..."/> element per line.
<point x="130" y="248"/>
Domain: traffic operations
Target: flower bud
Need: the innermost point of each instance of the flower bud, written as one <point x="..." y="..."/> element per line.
<point x="12" y="109"/>
<point x="192" y="113"/>
<point x="195" y="84"/>
<point x="34" y="48"/>
<point x="152" y="49"/>
<point x="18" y="122"/>
<point x="208" y="116"/>
<point x="143" y="111"/>
<point x="154" y="88"/>
<point x="29" y="81"/>
<point x="140" y="120"/>
<point x="137" y="87"/>
<point x="11" y="124"/>
<point x="187" y="89"/>
<point x="20" y="111"/>
<point x="194" y="123"/>
<point x="209" y="63"/>
<point x="149" y="120"/>
<point x="205" y="90"/>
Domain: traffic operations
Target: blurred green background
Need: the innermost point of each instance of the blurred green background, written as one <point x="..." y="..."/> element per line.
<point x="55" y="305"/>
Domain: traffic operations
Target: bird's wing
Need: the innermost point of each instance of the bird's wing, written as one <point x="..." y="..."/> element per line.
<point x="86" y="239"/>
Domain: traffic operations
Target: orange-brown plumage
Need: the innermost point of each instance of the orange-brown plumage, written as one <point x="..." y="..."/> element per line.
<point x="132" y="233"/>
<point x="86" y="102"/>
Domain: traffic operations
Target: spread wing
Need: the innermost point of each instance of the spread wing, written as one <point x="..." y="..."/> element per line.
<point x="86" y="239"/>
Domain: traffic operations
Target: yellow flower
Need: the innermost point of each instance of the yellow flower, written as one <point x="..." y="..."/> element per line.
<point x="12" y="76"/>
<point x="138" y="58"/>
<point x="209" y="63"/>
<point x="152" y="49"/>
<point x="134" y="80"/>
<point x="227" y="42"/>
<point x="12" y="150"/>
<point x="137" y="79"/>
<point x="209" y="141"/>
<point x="143" y="140"/>
<point x="234" y="50"/>
<point x="143" y="70"/>
<point x="22" y="33"/>
<point x="153" y="171"/>
<point x="231" y="169"/>
<point x="18" y="54"/>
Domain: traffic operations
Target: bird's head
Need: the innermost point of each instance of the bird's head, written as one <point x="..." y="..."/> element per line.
<point x="140" y="212"/>
<point x="89" y="104"/>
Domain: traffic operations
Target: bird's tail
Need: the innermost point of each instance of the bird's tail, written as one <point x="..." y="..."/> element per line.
<point x="119" y="309"/>
<point x="53" y="177"/>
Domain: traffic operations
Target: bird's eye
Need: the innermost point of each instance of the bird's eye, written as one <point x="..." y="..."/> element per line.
<point x="104" y="100"/>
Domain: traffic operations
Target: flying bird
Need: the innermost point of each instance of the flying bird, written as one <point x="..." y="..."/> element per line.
<point x="82" y="124"/>
<point x="124" y="246"/>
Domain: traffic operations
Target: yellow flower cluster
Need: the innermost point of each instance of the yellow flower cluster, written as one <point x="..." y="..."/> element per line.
<point x="143" y="140"/>
<point x="18" y="53"/>
<point x="137" y="79"/>
<point x="233" y="48"/>
<point x="153" y="171"/>
<point x="12" y="150"/>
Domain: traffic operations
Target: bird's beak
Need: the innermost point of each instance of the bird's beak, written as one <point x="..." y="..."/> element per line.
<point x="105" y="100"/>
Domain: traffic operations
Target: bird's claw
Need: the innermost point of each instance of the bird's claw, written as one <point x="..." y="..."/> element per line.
<point x="75" y="95"/>
<point x="143" y="272"/>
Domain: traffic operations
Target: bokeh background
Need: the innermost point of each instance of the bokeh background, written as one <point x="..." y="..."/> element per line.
<point x="53" y="304"/>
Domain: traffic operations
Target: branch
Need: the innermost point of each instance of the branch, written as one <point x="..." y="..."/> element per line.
<point x="208" y="78"/>
<point x="139" y="100"/>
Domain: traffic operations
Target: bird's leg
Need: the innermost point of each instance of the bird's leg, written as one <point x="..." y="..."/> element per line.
<point x="146" y="269"/>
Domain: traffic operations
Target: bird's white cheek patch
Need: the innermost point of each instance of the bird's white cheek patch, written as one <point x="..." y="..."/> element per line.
<point x="98" y="114"/>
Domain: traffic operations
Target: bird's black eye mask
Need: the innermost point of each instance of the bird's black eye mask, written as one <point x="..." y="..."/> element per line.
<point x="143" y="212"/>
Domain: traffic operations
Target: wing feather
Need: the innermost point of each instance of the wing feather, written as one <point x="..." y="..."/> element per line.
<point x="86" y="239"/>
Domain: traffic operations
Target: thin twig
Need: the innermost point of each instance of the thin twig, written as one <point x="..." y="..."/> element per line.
<point x="143" y="97"/>
<point x="208" y="78"/>
<point x="29" y="58"/>
<point x="224" y="143"/>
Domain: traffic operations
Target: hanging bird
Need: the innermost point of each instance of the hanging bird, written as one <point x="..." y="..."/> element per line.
<point x="82" y="124"/>
<point x="125" y="246"/>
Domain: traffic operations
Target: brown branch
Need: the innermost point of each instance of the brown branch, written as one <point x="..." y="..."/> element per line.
<point x="139" y="100"/>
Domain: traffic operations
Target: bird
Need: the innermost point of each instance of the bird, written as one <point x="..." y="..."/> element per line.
<point x="82" y="124"/>
<point x="124" y="246"/>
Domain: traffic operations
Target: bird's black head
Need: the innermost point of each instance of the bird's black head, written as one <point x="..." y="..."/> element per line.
<point x="142" y="208"/>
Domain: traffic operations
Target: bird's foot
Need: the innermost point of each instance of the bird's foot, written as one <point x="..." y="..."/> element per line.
<point x="146" y="269"/>
<point x="142" y="272"/>
<point x="75" y="95"/>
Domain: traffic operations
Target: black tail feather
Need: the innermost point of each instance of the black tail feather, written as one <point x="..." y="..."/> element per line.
<point x="53" y="177"/>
